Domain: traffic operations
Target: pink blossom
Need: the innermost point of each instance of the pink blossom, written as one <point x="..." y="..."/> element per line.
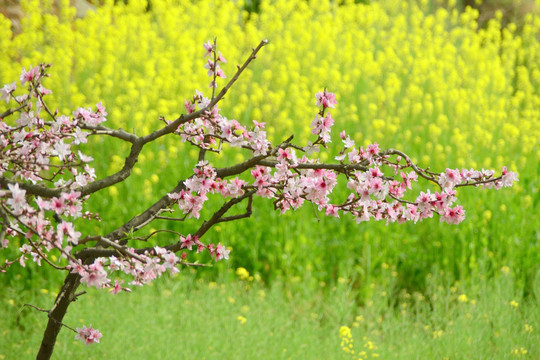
<point x="7" y="90"/>
<point x="221" y="252"/>
<point x="453" y="215"/>
<point x="42" y="91"/>
<point x="221" y="58"/>
<point x="372" y="150"/>
<point x="424" y="201"/>
<point x="86" y="159"/>
<point x="26" y="249"/>
<point x="101" y="109"/>
<point x="347" y="141"/>
<point x="411" y="213"/>
<point x="117" y="287"/>
<point x="396" y="189"/>
<point x="88" y="335"/>
<point x="61" y="149"/>
<point x="67" y="228"/>
<point x="284" y="154"/>
<point x="26" y="119"/>
<point x="209" y="48"/>
<point x="508" y="177"/>
<point x="18" y="200"/>
<point x="116" y="264"/>
<point x="190" y="108"/>
<point x="235" y="187"/>
<point x="259" y="125"/>
<point x="375" y="172"/>
<point x="170" y="260"/>
<point x="331" y="210"/>
<point x="325" y="99"/>
<point x="79" y="136"/>
<point x="30" y="75"/>
<point x="449" y="178"/>
<point x="187" y="242"/>
<point x="214" y="69"/>
<point x="95" y="275"/>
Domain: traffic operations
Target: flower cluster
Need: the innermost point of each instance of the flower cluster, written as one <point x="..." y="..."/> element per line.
<point x="88" y="335"/>
<point x="291" y="181"/>
<point x="212" y="129"/>
<point x="39" y="152"/>
<point x="213" y="63"/>
<point x="144" y="268"/>
<point x="322" y="124"/>
<point x="203" y="182"/>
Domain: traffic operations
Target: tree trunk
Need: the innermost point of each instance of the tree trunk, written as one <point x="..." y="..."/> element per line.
<point x="56" y="315"/>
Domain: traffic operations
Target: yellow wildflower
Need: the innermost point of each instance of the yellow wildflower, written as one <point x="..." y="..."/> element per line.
<point x="242" y="273"/>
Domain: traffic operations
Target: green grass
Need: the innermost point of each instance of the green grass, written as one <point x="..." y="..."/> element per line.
<point x="187" y="317"/>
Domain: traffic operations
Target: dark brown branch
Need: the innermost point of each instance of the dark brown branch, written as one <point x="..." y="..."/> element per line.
<point x="92" y="253"/>
<point x="121" y="249"/>
<point x="241" y="69"/>
<point x="343" y="168"/>
<point x="12" y="111"/>
<point x="239" y="216"/>
<point x="78" y="294"/>
<point x="145" y="238"/>
<point x="479" y="182"/>
<point x="117" y="133"/>
<point x="401" y="200"/>
<point x="170" y="218"/>
<point x="409" y="162"/>
<point x="56" y="315"/>
<point x="218" y="215"/>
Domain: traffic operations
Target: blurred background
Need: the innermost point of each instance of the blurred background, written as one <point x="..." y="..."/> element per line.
<point x="451" y="83"/>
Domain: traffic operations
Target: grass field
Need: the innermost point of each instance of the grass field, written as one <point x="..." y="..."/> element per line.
<point x="237" y="317"/>
<point x="409" y="75"/>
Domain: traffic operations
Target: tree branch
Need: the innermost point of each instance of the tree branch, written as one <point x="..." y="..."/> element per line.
<point x="218" y="216"/>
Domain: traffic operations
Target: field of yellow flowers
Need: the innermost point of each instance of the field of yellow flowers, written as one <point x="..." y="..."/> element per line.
<point x="411" y="75"/>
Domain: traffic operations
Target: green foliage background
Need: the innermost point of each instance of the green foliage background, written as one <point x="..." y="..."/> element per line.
<point x="409" y="75"/>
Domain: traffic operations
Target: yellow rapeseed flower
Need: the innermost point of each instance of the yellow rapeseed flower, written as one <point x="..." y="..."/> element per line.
<point x="345" y="332"/>
<point x="242" y="273"/>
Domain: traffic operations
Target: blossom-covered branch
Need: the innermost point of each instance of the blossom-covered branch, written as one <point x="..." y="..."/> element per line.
<point x="45" y="181"/>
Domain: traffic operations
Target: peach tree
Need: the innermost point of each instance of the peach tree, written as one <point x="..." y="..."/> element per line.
<point x="45" y="181"/>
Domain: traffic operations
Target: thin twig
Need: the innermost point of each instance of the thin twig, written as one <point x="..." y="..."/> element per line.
<point x="11" y="111"/>
<point x="122" y="249"/>
<point x="145" y="238"/>
<point x="214" y="84"/>
<point x="35" y="307"/>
